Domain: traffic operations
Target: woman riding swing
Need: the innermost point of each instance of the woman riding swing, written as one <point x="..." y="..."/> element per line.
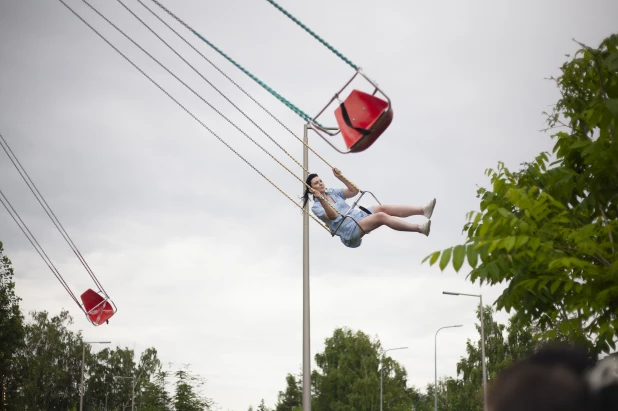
<point x="351" y="232"/>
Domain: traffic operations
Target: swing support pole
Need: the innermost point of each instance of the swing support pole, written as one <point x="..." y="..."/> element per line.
<point x="306" y="295"/>
<point x="306" y="283"/>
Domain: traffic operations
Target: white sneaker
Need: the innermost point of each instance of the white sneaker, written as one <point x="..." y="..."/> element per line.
<point x="428" y="208"/>
<point x="425" y="227"/>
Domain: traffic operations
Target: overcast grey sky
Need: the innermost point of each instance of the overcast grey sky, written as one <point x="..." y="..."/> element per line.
<point x="202" y="256"/>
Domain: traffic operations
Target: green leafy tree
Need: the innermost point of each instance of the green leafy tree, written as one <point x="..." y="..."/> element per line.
<point x="412" y="398"/>
<point x="155" y="396"/>
<point x="292" y="398"/>
<point x="188" y="396"/>
<point x="102" y="388"/>
<point x="500" y="352"/>
<point x="550" y="230"/>
<point x="504" y="345"/>
<point x="11" y="329"/>
<point x="262" y="406"/>
<point x="349" y="377"/>
<point x="49" y="364"/>
<point x="48" y="369"/>
<point x="150" y="377"/>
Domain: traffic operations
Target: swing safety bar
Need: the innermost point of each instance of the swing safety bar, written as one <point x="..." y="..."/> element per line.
<point x="328" y="130"/>
<point x="351" y="208"/>
<point x="100" y="313"/>
<point x="100" y="309"/>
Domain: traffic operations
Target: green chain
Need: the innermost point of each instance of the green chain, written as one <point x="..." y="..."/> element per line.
<point x="291" y="106"/>
<point x="308" y="30"/>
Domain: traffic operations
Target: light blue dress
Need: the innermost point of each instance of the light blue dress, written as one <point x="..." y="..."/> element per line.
<point x="349" y="232"/>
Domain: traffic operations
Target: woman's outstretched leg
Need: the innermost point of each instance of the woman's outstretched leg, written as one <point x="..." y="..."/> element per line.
<point x="398" y="210"/>
<point x="406" y="210"/>
<point x="379" y="219"/>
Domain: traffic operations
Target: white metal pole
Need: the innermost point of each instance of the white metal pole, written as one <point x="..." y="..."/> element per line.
<point x="81" y="385"/>
<point x="483" y="358"/>
<point x="306" y="294"/>
<point x="82" y="388"/>
<point x="435" y="368"/>
<point x="482" y="344"/>
<point x="435" y="351"/>
<point x="382" y="370"/>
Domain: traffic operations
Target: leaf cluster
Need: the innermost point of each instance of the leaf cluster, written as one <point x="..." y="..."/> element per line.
<point x="549" y="230"/>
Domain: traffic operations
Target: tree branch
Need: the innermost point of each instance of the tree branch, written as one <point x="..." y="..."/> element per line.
<point x="603" y="93"/>
<point x="559" y="126"/>
<point x="609" y="231"/>
<point x="600" y="258"/>
<point x="563" y="314"/>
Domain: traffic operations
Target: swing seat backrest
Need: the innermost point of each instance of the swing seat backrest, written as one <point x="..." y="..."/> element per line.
<point x="362" y="118"/>
<point x="98" y="309"/>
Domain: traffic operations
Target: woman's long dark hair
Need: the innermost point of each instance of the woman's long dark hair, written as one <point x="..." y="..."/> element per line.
<point x="306" y="194"/>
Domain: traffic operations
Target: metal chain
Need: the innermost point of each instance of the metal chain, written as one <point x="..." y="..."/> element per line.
<point x="291" y="106"/>
<point x="186" y="110"/>
<point x="308" y="30"/>
<point x="240" y="88"/>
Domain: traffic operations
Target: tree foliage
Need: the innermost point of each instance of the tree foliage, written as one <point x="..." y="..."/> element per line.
<point x="187" y="395"/>
<point x="154" y="395"/>
<point x="41" y="365"/>
<point x="549" y="230"/>
<point x="348" y="375"/>
<point x="47" y="374"/>
<point x="102" y="388"/>
<point x="292" y="398"/>
<point x="48" y="365"/>
<point x="11" y="325"/>
<point x="349" y="378"/>
<point x="504" y="345"/>
<point x="262" y="406"/>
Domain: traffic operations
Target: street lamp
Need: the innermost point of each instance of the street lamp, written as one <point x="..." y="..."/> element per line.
<point x="132" y="389"/>
<point x="482" y="344"/>
<point x="306" y="281"/>
<point x="435" y="354"/>
<point x="382" y="370"/>
<point x="82" y="387"/>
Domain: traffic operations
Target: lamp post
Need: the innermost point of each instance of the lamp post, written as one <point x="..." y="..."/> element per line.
<point x="482" y="344"/>
<point x="82" y="387"/>
<point x="306" y="283"/>
<point x="306" y="294"/>
<point x="382" y="370"/>
<point x="132" y="389"/>
<point x="435" y="354"/>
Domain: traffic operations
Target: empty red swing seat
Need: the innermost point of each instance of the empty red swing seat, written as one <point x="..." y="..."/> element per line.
<point x="362" y="118"/>
<point x="97" y="308"/>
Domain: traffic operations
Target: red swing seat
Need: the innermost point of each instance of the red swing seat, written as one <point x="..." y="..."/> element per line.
<point x="362" y="118"/>
<point x="98" y="309"/>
